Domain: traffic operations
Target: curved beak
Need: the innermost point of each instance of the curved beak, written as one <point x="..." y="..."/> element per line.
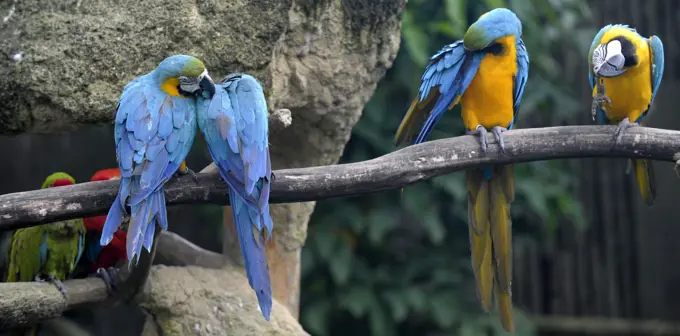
<point x="612" y="64"/>
<point x="207" y="85"/>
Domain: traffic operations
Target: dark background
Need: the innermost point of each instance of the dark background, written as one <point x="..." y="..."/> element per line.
<point x="385" y="264"/>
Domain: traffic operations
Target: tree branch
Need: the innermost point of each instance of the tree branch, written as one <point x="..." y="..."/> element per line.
<point x="394" y="170"/>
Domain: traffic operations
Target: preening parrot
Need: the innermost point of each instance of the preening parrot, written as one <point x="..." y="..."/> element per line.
<point x="486" y="73"/>
<point x="625" y="72"/>
<point x="45" y="252"/>
<point x="155" y="127"/>
<point x="99" y="259"/>
<point x="235" y="127"/>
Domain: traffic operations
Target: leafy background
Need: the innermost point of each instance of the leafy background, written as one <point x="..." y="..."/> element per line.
<point x="391" y="264"/>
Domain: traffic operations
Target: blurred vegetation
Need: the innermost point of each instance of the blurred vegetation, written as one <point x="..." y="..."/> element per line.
<point x="391" y="264"/>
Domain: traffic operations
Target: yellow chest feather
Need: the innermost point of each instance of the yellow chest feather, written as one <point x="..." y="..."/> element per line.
<point x="488" y="101"/>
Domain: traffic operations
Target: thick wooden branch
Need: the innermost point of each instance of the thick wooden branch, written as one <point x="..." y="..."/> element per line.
<point x="394" y="170"/>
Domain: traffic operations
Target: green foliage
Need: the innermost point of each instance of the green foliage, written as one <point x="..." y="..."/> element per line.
<point x="398" y="263"/>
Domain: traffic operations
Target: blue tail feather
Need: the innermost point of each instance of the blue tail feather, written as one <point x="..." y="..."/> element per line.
<point x="113" y="221"/>
<point x="253" y="250"/>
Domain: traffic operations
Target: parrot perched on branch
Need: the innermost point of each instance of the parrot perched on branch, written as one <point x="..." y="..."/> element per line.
<point x="625" y="72"/>
<point x="103" y="259"/>
<point x="486" y="73"/>
<point x="45" y="252"/>
<point x="155" y="127"/>
<point x="235" y="127"/>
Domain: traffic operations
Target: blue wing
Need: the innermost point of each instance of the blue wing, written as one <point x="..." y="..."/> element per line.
<point x="153" y="134"/>
<point x="235" y="127"/>
<point x="520" y="80"/>
<point x="658" y="66"/>
<point x="449" y="73"/>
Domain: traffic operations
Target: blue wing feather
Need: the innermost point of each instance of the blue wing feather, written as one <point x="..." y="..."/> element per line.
<point x="81" y="247"/>
<point x="43" y="250"/>
<point x="452" y="75"/>
<point x="235" y="126"/>
<point x="153" y="134"/>
<point x="520" y="80"/>
<point x="658" y="66"/>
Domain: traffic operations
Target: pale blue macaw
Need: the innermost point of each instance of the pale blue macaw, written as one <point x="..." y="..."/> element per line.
<point x="486" y="73"/>
<point x="235" y="127"/>
<point x="625" y="72"/>
<point x="155" y="127"/>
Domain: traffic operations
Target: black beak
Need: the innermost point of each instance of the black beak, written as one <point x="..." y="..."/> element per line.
<point x="207" y="85"/>
<point x="612" y="67"/>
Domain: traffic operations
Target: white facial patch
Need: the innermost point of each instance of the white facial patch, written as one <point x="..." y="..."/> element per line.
<point x="613" y="48"/>
<point x="599" y="55"/>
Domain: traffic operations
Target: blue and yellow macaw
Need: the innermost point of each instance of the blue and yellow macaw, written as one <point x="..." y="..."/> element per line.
<point x="625" y="72"/>
<point x="486" y="73"/>
<point x="155" y="127"/>
<point x="236" y="129"/>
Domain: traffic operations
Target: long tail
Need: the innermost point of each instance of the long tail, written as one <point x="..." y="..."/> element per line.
<point x="142" y="226"/>
<point x="490" y="192"/>
<point x="644" y="173"/>
<point x="252" y="241"/>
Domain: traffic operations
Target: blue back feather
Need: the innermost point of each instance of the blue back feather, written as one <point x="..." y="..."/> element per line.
<point x="153" y="133"/>
<point x="235" y="125"/>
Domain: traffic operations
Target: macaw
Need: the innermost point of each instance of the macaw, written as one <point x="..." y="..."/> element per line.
<point x="486" y="73"/>
<point x="44" y="252"/>
<point x="155" y="127"/>
<point x="234" y="123"/>
<point x="629" y="68"/>
<point x="101" y="260"/>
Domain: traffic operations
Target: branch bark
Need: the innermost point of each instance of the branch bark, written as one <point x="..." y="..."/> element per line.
<point x="394" y="170"/>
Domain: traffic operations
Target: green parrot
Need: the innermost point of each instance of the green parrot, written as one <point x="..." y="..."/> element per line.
<point x="44" y="252"/>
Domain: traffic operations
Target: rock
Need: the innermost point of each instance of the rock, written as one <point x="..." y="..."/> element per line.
<point x="200" y="301"/>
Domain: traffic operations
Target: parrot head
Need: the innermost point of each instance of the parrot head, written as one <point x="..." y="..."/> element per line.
<point x="184" y="76"/>
<point x="615" y="52"/>
<point x="96" y="224"/>
<point x="492" y="25"/>
<point x="57" y="180"/>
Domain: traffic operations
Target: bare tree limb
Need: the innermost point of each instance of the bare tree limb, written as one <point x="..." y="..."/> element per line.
<point x="174" y="250"/>
<point x="394" y="170"/>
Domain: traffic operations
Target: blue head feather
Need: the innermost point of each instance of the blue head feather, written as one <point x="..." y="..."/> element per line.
<point x="492" y="25"/>
<point x="178" y="65"/>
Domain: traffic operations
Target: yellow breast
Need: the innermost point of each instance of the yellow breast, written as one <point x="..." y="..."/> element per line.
<point x="631" y="92"/>
<point x="488" y="101"/>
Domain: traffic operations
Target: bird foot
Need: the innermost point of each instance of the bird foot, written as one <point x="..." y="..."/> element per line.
<point x="108" y="275"/>
<point x="621" y="128"/>
<point x="54" y="281"/>
<point x="481" y="132"/>
<point x="498" y="134"/>
<point x="188" y="171"/>
<point x="600" y="100"/>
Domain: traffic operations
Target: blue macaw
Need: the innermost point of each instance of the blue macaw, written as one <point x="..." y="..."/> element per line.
<point x="235" y="127"/>
<point x="486" y="73"/>
<point x="629" y="68"/>
<point x="155" y="128"/>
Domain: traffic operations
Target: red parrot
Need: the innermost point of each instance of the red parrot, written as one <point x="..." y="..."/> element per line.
<point x="97" y="256"/>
